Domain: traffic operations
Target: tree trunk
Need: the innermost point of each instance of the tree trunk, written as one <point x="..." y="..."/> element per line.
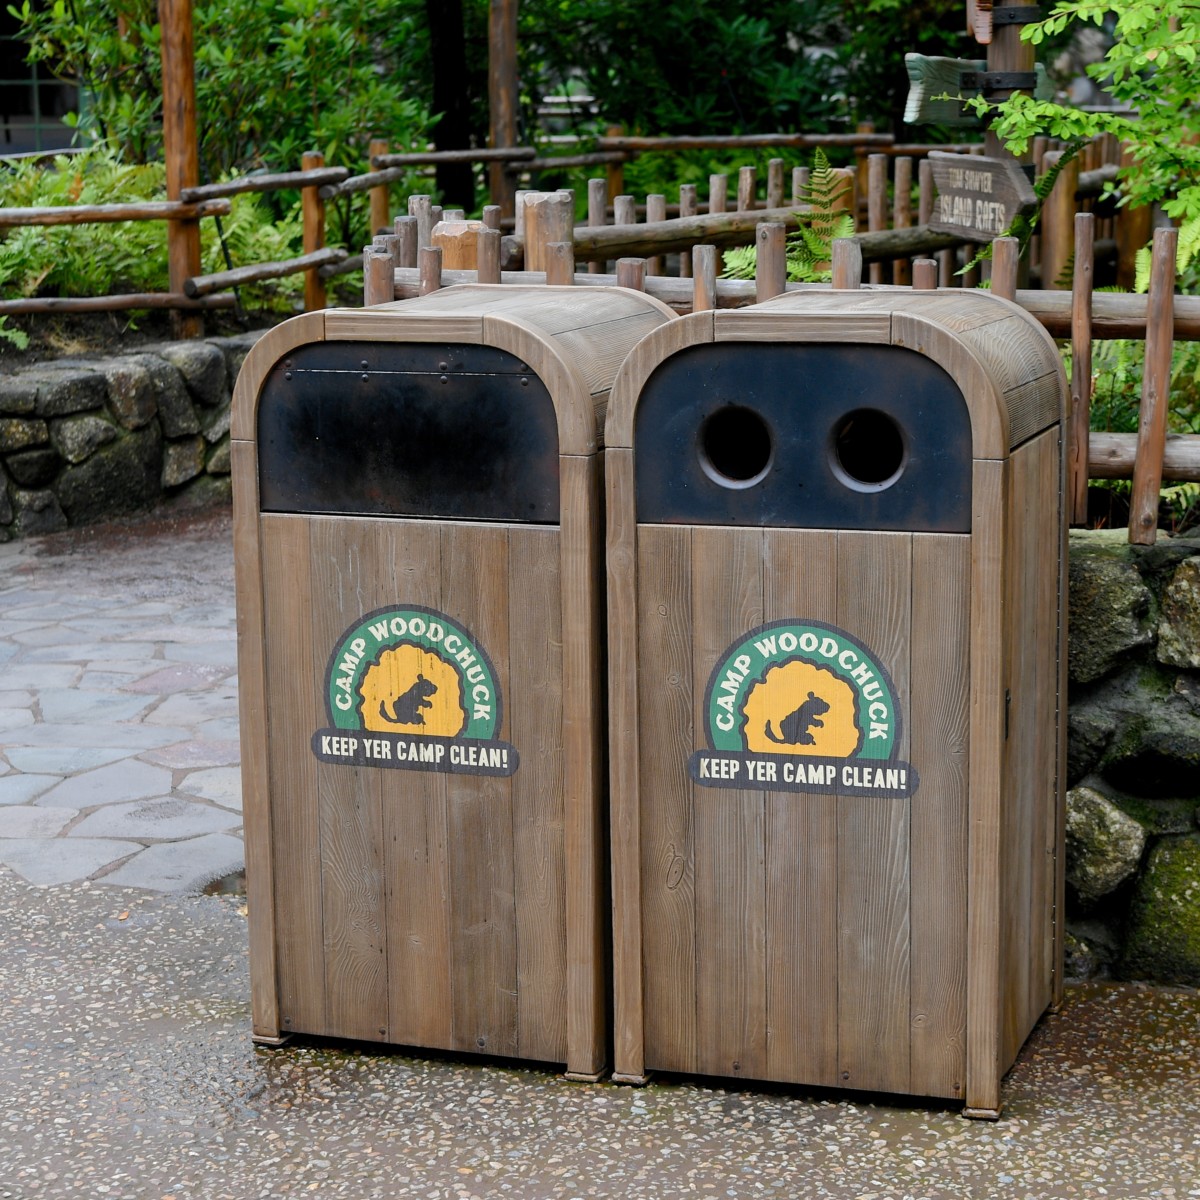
<point x="455" y="181"/>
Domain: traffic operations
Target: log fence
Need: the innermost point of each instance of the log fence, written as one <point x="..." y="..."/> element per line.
<point x="671" y="247"/>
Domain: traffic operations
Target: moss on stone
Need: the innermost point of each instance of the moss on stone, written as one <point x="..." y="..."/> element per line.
<point x="1162" y="940"/>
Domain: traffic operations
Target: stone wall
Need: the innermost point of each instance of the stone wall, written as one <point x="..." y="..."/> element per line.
<point x="87" y="440"/>
<point x="1133" y="768"/>
<point x="82" y="441"/>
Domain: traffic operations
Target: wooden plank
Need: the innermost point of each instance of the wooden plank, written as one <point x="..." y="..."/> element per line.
<point x="874" y="585"/>
<point x="767" y="324"/>
<point x="475" y="575"/>
<point x="347" y="583"/>
<point x="414" y="826"/>
<point x="988" y="491"/>
<point x="252" y="705"/>
<point x="294" y="680"/>
<point x="728" y="826"/>
<point x="666" y="688"/>
<point x="939" y="726"/>
<point x="800" y="582"/>
<point x="535" y="719"/>
<point x="621" y="558"/>
<point x="582" y="736"/>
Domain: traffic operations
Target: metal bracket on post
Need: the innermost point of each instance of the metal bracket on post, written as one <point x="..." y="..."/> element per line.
<point x="1016" y="15"/>
<point x="999" y="81"/>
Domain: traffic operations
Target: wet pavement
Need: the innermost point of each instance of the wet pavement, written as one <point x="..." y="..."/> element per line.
<point x="126" y="1067"/>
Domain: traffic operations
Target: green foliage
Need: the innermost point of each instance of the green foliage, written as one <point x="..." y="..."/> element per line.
<point x="273" y="79"/>
<point x="127" y="256"/>
<point x="810" y="247"/>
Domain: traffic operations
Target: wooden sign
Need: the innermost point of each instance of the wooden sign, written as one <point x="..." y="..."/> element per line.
<point x="978" y="198"/>
<point x="939" y="87"/>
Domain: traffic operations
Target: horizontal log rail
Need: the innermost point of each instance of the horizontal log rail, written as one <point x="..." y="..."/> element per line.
<point x="265" y="183"/>
<point x="202" y="285"/>
<point x="794" y="141"/>
<point x="118" y="303"/>
<point x="91" y="214"/>
<point x="1113" y="455"/>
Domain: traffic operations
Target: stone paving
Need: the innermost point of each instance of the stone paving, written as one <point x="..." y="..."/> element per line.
<point x="118" y="706"/>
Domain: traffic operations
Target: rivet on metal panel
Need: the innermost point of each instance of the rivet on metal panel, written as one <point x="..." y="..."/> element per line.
<point x="443" y="378"/>
<point x="524" y="380"/>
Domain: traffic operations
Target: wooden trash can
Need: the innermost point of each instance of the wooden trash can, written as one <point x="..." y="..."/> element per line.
<point x="419" y="539"/>
<point x="836" y="645"/>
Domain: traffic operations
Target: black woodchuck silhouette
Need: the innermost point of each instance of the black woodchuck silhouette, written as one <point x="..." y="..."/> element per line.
<point x="406" y="709"/>
<point x="795" y="726"/>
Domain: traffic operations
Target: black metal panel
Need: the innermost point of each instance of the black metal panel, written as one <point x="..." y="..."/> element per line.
<point x="802" y="394"/>
<point x="412" y="430"/>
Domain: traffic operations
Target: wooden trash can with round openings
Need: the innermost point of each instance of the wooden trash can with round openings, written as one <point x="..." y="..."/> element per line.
<point x="836" y="646"/>
<point x="419" y="539"/>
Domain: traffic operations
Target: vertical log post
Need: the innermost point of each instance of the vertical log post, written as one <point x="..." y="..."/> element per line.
<point x="747" y="189"/>
<point x="718" y="193"/>
<point x="459" y="244"/>
<point x="631" y="273"/>
<point x="429" y="263"/>
<point x="656" y="210"/>
<point x="503" y="98"/>
<point x="560" y="263"/>
<point x="1081" y="367"/>
<point x="422" y="208"/>
<point x="800" y="177"/>
<point x="597" y="193"/>
<point x="406" y="236"/>
<point x="902" y="180"/>
<point x="704" y="279"/>
<point x="1132" y="233"/>
<point x="491" y="216"/>
<point x="877" y="166"/>
<point x="549" y="217"/>
<point x="381" y="213"/>
<point x="775" y="183"/>
<point x="925" y="274"/>
<point x="615" y="171"/>
<point x="180" y="149"/>
<point x="770" y="274"/>
<point x="487" y="255"/>
<point x="312" y="212"/>
<point x="847" y="264"/>
<point x="1156" y="386"/>
<point x="1058" y="222"/>
<point x="689" y="206"/>
<point x="624" y="210"/>
<point x="1005" y="253"/>
<point x="379" y="276"/>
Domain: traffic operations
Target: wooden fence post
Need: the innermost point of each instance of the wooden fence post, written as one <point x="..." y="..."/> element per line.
<point x="1081" y="367"/>
<point x="902" y="213"/>
<point x="180" y="149"/>
<point x="1005" y="253"/>
<point x="615" y="171"/>
<point x="503" y="98"/>
<point x="688" y="207"/>
<point x="847" y="264"/>
<point x="549" y="217"/>
<point x="704" y="281"/>
<point x="381" y="215"/>
<point x="1156" y="387"/>
<point x="656" y="210"/>
<point x="312" y="211"/>
<point x="1058" y="221"/>
<point x="877" y="168"/>
<point x="770" y="274"/>
<point x="597" y="193"/>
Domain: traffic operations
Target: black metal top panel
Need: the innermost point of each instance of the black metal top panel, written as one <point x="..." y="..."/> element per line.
<point x="803" y="436"/>
<point x="408" y="430"/>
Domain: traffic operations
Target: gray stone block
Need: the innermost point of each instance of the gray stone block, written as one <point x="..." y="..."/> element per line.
<point x="1163" y="936"/>
<point x="1110" y="609"/>
<point x="18" y="434"/>
<point x="35" y="468"/>
<point x="1104" y="845"/>
<point x="18" y="395"/>
<point x="47" y="862"/>
<point x="182" y="460"/>
<point x="216" y="424"/>
<point x="79" y="437"/>
<point x="169" y="817"/>
<point x="68" y="389"/>
<point x="202" y="366"/>
<point x="119" y="478"/>
<point x="1179" y="625"/>
<point x="176" y="413"/>
<point x="219" y="461"/>
<point x="117" y="783"/>
<point x="235" y="349"/>
<point x="132" y="391"/>
<point x="36" y="514"/>
<point x="181" y="866"/>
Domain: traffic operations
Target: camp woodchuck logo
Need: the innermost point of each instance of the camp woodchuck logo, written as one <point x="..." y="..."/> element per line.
<point x="412" y="689"/>
<point x="802" y="707"/>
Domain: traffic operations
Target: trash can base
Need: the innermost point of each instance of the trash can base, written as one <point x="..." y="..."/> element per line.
<point x="633" y="1080"/>
<point x="270" y="1042"/>
<point x="981" y="1114"/>
<point x="583" y="1076"/>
